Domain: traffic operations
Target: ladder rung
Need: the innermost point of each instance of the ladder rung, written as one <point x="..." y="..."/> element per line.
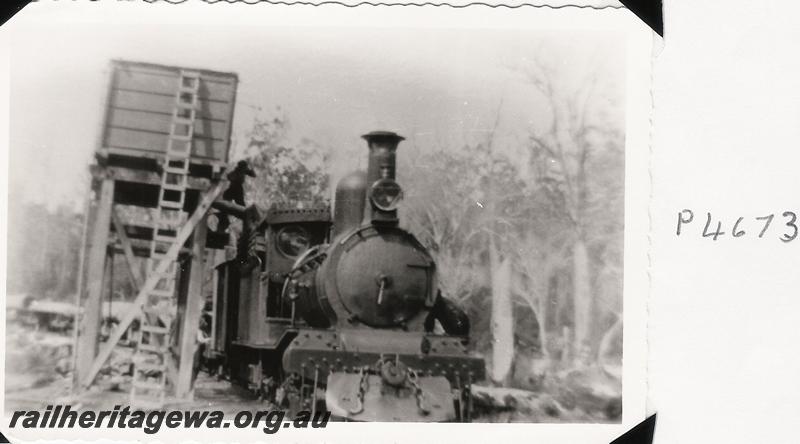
<point x="175" y="205"/>
<point x="176" y="170"/>
<point x="193" y="88"/>
<point x="180" y="153"/>
<point x="169" y="215"/>
<point x="168" y="204"/>
<point x="180" y="150"/>
<point x="162" y="293"/>
<point x="155" y="259"/>
<point x="168" y="223"/>
<point x="153" y="312"/>
<point x="155" y="332"/>
<point x="183" y="120"/>
<point x="154" y="329"/>
<point x="170" y="271"/>
<point x="180" y="138"/>
<point x="178" y="145"/>
<point x="182" y="174"/>
<point x="184" y="105"/>
<point x="152" y="348"/>
<point x="174" y="179"/>
<point x="162" y="238"/>
<point x="157" y="246"/>
<point x="165" y="225"/>
<point x="189" y="88"/>
<point x="153" y="265"/>
<point x="155" y="250"/>
<point x="166" y="283"/>
<point x="166" y="277"/>
<point x="147" y="385"/>
<point x="174" y="186"/>
<point x="148" y="367"/>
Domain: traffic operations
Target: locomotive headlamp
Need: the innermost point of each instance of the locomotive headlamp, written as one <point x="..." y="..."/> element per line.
<point x="386" y="194"/>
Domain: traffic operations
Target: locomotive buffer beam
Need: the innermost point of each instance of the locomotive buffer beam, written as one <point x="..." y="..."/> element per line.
<point x="442" y="363"/>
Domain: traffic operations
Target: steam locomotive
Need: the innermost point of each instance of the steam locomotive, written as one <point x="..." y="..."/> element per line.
<point x="343" y="313"/>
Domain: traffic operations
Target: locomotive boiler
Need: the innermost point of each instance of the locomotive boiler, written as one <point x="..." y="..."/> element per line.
<point x="342" y="314"/>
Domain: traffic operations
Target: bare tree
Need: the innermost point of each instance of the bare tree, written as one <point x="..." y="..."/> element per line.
<point x="465" y="206"/>
<point x="570" y="154"/>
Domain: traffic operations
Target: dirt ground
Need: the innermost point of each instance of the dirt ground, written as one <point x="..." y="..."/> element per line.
<point x="38" y="374"/>
<point x="37" y="393"/>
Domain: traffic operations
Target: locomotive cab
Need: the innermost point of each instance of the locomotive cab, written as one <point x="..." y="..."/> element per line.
<point x="289" y="233"/>
<point x="251" y="318"/>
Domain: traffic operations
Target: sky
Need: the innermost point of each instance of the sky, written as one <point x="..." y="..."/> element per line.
<point x="441" y="88"/>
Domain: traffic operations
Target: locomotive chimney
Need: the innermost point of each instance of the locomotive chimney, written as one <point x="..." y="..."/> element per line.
<point x="383" y="193"/>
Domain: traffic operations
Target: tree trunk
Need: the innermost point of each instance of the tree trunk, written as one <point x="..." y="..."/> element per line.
<point x="583" y="301"/>
<point x="502" y="316"/>
<point x="610" y="345"/>
<point x="543" y="315"/>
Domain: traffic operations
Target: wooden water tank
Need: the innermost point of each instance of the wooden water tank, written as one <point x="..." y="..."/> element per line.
<point x="141" y="100"/>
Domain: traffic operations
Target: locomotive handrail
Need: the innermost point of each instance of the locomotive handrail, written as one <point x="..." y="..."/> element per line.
<point x="302" y="258"/>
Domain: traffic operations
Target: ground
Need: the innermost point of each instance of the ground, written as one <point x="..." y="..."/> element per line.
<point x="38" y="374"/>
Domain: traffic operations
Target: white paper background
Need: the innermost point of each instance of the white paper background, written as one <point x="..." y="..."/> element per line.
<point x="724" y="315"/>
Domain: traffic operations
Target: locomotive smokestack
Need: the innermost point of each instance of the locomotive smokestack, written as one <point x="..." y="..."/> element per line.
<point x="383" y="193"/>
<point x="382" y="148"/>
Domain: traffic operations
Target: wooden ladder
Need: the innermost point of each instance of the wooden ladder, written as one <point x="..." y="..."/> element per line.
<point x="150" y="360"/>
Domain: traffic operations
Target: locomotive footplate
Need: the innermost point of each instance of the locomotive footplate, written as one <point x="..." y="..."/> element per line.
<point x="353" y="360"/>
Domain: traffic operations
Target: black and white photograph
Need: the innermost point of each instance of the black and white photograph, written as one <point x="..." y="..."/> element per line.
<point x="376" y="215"/>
